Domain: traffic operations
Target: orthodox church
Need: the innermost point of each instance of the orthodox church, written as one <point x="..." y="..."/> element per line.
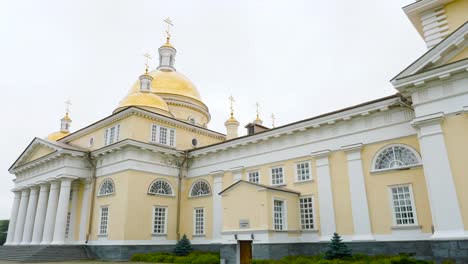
<point x="386" y="172"/>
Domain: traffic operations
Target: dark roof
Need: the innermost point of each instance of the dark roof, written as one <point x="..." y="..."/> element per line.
<point x="259" y="185"/>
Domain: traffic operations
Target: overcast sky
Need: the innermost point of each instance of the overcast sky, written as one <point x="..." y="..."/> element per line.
<point x="297" y="58"/>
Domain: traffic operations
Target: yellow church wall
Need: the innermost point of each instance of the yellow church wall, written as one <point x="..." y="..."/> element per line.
<point x="184" y="114"/>
<point x="378" y="193"/>
<point x="292" y="209"/>
<point x="39" y="152"/>
<point x="456" y="14"/>
<point x="460" y="56"/>
<point x="455" y="127"/>
<point x="140" y="204"/>
<point x="76" y="229"/>
<point x="245" y="201"/>
<point x="117" y="203"/>
<point x="341" y="195"/>
<point x="188" y="204"/>
<point x="98" y="135"/>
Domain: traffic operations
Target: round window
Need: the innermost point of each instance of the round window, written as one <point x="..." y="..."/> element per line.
<point x="194" y="142"/>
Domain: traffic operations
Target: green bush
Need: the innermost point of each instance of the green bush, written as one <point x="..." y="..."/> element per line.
<point x="195" y="257"/>
<point x="356" y="259"/>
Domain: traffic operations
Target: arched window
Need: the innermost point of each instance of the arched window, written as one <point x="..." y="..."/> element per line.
<point x="394" y="157"/>
<point x="160" y="187"/>
<point x="200" y="188"/>
<point x="107" y="187"/>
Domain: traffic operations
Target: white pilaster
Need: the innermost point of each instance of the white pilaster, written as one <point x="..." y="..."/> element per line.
<point x="217" y="206"/>
<point x="62" y="211"/>
<point x="40" y="213"/>
<point x="325" y="195"/>
<point x="446" y="215"/>
<point x="84" y="211"/>
<point x="13" y="218"/>
<point x="30" y="214"/>
<point x="357" y="190"/>
<point x="51" y="213"/>
<point x="19" y="228"/>
<point x="73" y="211"/>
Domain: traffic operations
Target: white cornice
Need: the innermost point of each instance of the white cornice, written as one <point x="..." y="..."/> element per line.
<point x="428" y="119"/>
<point x="141" y="145"/>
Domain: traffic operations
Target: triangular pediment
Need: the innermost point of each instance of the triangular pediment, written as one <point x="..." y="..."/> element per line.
<point x="39" y="148"/>
<point x="256" y="186"/>
<point x="450" y="50"/>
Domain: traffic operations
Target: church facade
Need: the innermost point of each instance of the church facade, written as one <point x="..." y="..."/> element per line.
<point x="392" y="169"/>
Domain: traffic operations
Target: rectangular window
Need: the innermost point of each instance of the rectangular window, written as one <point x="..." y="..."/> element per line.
<point x="111" y="135"/>
<point x="278" y="212"/>
<point x="104" y="220"/>
<point x="307" y="213"/>
<point x="403" y="205"/>
<point x="67" y="228"/>
<point x="162" y="135"/>
<point x="199" y="221"/>
<point x="303" y="171"/>
<point x="159" y="220"/>
<point x="254" y="177"/>
<point x="277" y="176"/>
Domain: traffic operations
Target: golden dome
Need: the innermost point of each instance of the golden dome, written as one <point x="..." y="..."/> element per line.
<point x="170" y="82"/>
<point x="144" y="99"/>
<point x="57" y="135"/>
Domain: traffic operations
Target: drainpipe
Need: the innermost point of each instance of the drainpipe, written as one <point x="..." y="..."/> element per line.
<point x="93" y="190"/>
<point x="181" y="166"/>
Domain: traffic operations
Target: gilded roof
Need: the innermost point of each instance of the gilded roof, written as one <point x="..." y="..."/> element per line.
<point x="144" y="99"/>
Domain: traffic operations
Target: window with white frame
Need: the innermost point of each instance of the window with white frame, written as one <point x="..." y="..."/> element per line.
<point x="303" y="171"/>
<point x="111" y="135"/>
<point x="199" y="221"/>
<point x="404" y="212"/>
<point x="159" y="220"/>
<point x="254" y="176"/>
<point x="306" y="206"/>
<point x="104" y="220"/>
<point x="107" y="187"/>
<point x="161" y="187"/>
<point x="279" y="215"/>
<point x="67" y="227"/>
<point x="277" y="176"/>
<point x="200" y="188"/>
<point x="162" y="135"/>
<point x="394" y="157"/>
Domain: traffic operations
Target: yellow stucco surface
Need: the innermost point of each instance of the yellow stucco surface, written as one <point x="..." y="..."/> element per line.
<point x="455" y="129"/>
<point x="456" y="14"/>
<point x="460" y="56"/>
<point x="38" y="152"/>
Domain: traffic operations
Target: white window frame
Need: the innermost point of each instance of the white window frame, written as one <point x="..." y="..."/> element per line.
<point x="166" y="211"/>
<point x="258" y="176"/>
<point x="283" y="176"/>
<point x="296" y="175"/>
<point x="203" y="195"/>
<point x="102" y="183"/>
<point x="163" y="180"/>
<point x="195" y="221"/>
<point x="107" y="135"/>
<point x="155" y="135"/>
<point x="374" y="160"/>
<point x="285" y="214"/>
<point x="413" y="205"/>
<point x="100" y="221"/>
<point x="313" y="213"/>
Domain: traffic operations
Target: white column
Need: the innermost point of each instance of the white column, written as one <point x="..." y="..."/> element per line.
<point x="446" y="215"/>
<point x="357" y="190"/>
<point x="73" y="211"/>
<point x="62" y="211"/>
<point x="325" y="195"/>
<point x="39" y="220"/>
<point x="217" y="206"/>
<point x="30" y="214"/>
<point x="85" y="211"/>
<point x="13" y="218"/>
<point x="51" y="213"/>
<point x="19" y="228"/>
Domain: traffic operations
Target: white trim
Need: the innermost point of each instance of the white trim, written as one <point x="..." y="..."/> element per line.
<point x="253" y="171"/>
<point x="164" y="180"/>
<point x="283" y="182"/>
<point x="204" y="195"/>
<point x="166" y="213"/>
<point x="296" y="176"/>
<point x="415" y="213"/>
<point x="195" y="222"/>
<point x="99" y="234"/>
<point x="284" y="216"/>
<point x="377" y="154"/>
<point x="100" y="187"/>
<point x="314" y="218"/>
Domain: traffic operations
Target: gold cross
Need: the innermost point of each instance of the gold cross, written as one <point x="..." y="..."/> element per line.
<point x="169" y="25"/>
<point x="232" y="104"/>
<point x="148" y="58"/>
<point x="273" y="120"/>
<point x="68" y="103"/>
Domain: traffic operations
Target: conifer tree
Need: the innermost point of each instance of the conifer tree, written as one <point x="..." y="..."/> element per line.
<point x="183" y="246"/>
<point x="337" y="249"/>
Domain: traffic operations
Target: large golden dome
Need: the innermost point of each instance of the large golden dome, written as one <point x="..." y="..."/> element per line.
<point x="57" y="135"/>
<point x="143" y="99"/>
<point x="170" y="82"/>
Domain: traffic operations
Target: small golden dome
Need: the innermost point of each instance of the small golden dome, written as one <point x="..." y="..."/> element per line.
<point x="57" y="135"/>
<point x="170" y="82"/>
<point x="144" y="99"/>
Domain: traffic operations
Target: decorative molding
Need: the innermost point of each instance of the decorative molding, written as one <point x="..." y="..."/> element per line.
<point x="428" y="119"/>
<point x="435" y="26"/>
